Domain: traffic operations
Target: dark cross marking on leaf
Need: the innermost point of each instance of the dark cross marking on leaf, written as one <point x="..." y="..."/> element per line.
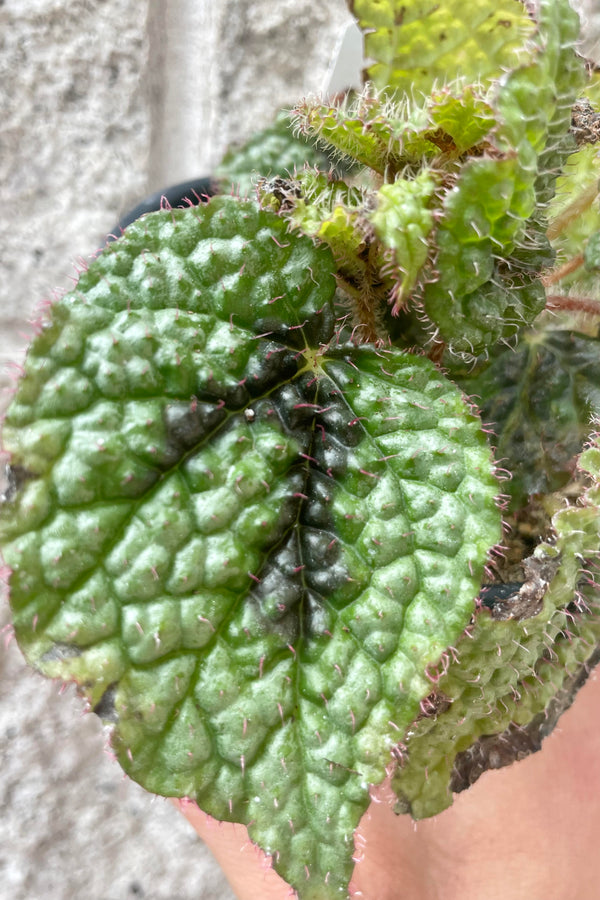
<point x="302" y="570"/>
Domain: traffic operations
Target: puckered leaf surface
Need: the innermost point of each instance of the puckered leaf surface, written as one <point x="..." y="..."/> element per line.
<point x="415" y="44"/>
<point x="492" y="208"/>
<point x="511" y="677"/>
<point x="244" y="540"/>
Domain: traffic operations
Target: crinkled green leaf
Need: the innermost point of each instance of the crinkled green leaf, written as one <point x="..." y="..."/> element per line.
<point x="492" y="207"/>
<point x="416" y="44"/>
<point x="478" y="298"/>
<point x="387" y="136"/>
<point x="508" y="679"/>
<point x="539" y="400"/>
<point x="466" y="118"/>
<point x="243" y="541"/>
<point x="477" y="221"/>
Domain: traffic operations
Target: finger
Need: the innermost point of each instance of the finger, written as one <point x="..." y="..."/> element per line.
<point x="246" y="867"/>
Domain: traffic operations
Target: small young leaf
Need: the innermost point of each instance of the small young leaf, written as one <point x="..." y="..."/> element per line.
<point x="388" y="136"/>
<point x="403" y="220"/>
<point x="358" y="130"/>
<point x="243" y="541"/>
<point x="328" y="209"/>
<point x="482" y="299"/>
<point x="465" y="118"/>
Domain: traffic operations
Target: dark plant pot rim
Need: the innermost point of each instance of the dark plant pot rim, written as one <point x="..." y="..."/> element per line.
<point x="184" y="193"/>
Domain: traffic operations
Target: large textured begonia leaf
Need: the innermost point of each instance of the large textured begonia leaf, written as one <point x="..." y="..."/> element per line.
<point x="416" y="44"/>
<point x="540" y="400"/>
<point x="530" y="647"/>
<point x="245" y="541"/>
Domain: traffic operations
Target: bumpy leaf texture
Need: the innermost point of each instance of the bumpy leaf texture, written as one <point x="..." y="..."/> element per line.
<point x="529" y="649"/>
<point x="243" y="539"/>
<point x="416" y="44"/>
<point x="496" y="202"/>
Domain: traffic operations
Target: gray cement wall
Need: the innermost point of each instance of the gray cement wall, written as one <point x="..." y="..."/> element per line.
<point x="101" y="103"/>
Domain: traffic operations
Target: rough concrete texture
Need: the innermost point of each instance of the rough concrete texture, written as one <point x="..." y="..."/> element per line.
<point x="74" y="128"/>
<point x="244" y="61"/>
<point x="101" y="102"/>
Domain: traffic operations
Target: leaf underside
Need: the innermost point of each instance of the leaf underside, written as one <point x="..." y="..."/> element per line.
<point x="242" y="538"/>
